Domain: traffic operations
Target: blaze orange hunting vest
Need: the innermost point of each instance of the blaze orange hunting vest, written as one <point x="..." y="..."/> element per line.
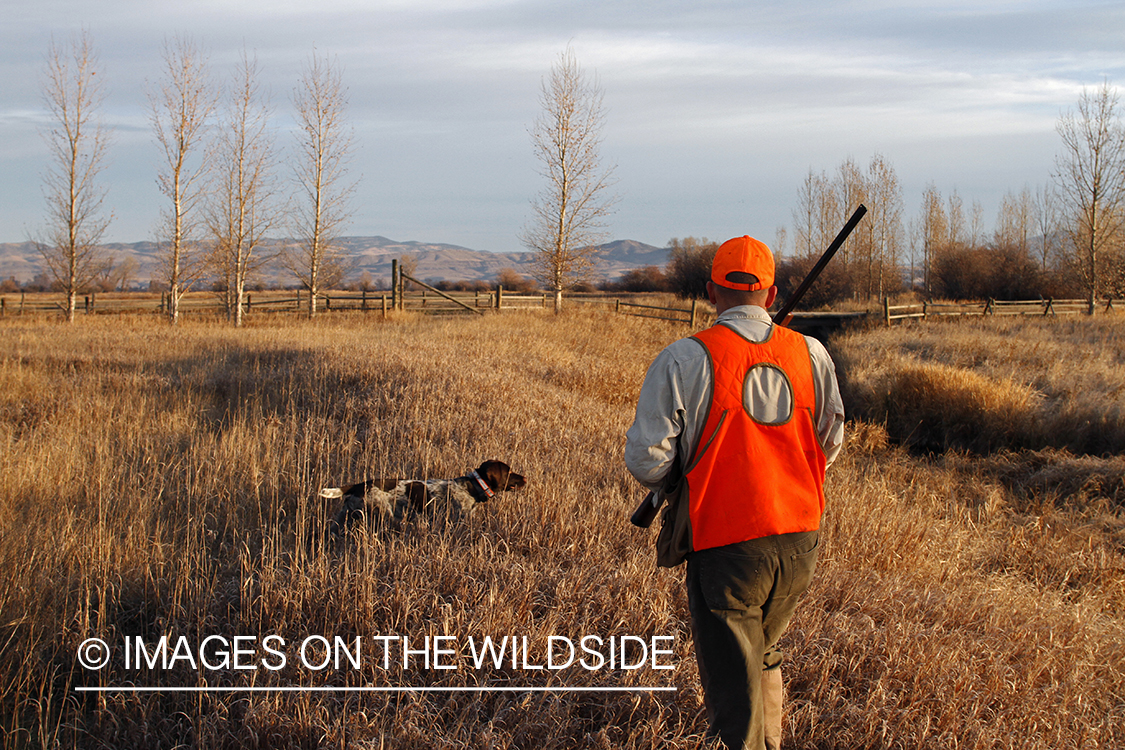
<point x="756" y="475"/>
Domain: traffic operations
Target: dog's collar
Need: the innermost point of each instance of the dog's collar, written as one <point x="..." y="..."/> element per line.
<point x="485" y="493"/>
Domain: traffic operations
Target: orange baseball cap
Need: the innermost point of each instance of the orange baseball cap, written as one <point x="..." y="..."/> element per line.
<point x="744" y="264"/>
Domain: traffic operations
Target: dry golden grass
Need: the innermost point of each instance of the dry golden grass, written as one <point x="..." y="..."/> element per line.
<point x="988" y="383"/>
<point x="163" y="481"/>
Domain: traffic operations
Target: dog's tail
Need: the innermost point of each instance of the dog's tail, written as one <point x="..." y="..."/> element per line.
<point x="332" y="493"/>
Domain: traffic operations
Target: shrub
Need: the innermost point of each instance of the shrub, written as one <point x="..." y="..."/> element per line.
<point x="514" y="282"/>
<point x="647" y="279"/>
<point x="689" y="267"/>
<point x="997" y="271"/>
<point x="833" y="284"/>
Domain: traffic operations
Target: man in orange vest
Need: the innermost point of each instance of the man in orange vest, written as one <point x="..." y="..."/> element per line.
<point x="735" y="426"/>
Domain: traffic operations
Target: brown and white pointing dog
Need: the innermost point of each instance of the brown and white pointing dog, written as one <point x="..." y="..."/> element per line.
<point x="435" y="499"/>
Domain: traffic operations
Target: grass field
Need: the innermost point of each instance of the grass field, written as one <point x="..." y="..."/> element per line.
<point x="971" y="591"/>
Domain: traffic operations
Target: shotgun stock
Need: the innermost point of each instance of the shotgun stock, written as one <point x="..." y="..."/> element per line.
<point x="645" y="513"/>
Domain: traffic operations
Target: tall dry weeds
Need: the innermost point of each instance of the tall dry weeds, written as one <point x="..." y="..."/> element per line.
<point x="988" y="383"/>
<point x="164" y="481"/>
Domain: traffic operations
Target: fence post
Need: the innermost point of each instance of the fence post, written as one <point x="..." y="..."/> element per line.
<point x="694" y="302"/>
<point x="22" y="293"/>
<point x="499" y="296"/>
<point x="1049" y="307"/>
<point x="887" y="311"/>
<point x="3" y="306"/>
<point x="365" y="300"/>
<point x="988" y="307"/>
<point x="87" y="304"/>
<point x="394" y="283"/>
<point x="384" y="296"/>
<point x="544" y="301"/>
<point x="925" y="309"/>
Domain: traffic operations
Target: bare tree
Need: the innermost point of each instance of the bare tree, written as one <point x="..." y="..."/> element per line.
<point x="885" y="204"/>
<point x="1090" y="178"/>
<point x="814" y="215"/>
<point x="321" y="172"/>
<point x="180" y="111"/>
<point x="976" y="223"/>
<point x="851" y="190"/>
<point x="78" y="141"/>
<point x="780" y="241"/>
<point x="124" y="273"/>
<point x="869" y="259"/>
<point x="408" y="265"/>
<point x="1046" y="221"/>
<point x="243" y="197"/>
<point x="956" y="219"/>
<point x="569" y="215"/>
<point x="1015" y="221"/>
<point x="934" y="231"/>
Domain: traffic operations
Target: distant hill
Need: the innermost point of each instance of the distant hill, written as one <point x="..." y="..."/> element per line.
<point x="373" y="255"/>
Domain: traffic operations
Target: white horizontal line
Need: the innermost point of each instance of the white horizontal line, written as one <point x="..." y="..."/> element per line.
<point x="298" y="689"/>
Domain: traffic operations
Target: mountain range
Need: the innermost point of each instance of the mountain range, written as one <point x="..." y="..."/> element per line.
<point x="368" y="255"/>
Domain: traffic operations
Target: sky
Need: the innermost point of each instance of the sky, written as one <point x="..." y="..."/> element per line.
<point x="715" y="111"/>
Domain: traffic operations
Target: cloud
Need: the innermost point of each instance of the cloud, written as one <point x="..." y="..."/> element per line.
<point x="706" y="100"/>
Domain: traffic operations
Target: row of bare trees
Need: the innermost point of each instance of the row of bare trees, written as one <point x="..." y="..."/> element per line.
<point x="219" y="173"/>
<point x="1063" y="238"/>
<point x="1067" y="235"/>
<point x="1022" y="258"/>
<point x="871" y="258"/>
<point x="224" y="195"/>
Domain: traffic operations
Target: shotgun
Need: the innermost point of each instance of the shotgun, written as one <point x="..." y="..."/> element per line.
<point x="645" y="513"/>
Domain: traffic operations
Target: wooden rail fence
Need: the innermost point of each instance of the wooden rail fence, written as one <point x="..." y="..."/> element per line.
<point x="924" y="310"/>
<point x="674" y="314"/>
<point x="427" y="300"/>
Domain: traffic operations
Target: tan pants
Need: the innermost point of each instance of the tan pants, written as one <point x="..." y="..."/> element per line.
<point x="741" y="599"/>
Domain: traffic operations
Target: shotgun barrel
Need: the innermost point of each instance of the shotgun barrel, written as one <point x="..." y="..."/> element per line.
<point x="783" y="314"/>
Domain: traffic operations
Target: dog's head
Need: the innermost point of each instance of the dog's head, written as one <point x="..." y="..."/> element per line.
<point x="499" y="476"/>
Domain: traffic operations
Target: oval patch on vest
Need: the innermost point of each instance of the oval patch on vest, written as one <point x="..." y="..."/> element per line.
<point x="767" y="394"/>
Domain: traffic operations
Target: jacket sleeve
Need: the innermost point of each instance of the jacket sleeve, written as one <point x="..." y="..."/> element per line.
<point x="671" y="404"/>
<point x="829" y="405"/>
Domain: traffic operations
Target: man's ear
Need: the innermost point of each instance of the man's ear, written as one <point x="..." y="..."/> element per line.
<point x="771" y="296"/>
<point x="711" y="293"/>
